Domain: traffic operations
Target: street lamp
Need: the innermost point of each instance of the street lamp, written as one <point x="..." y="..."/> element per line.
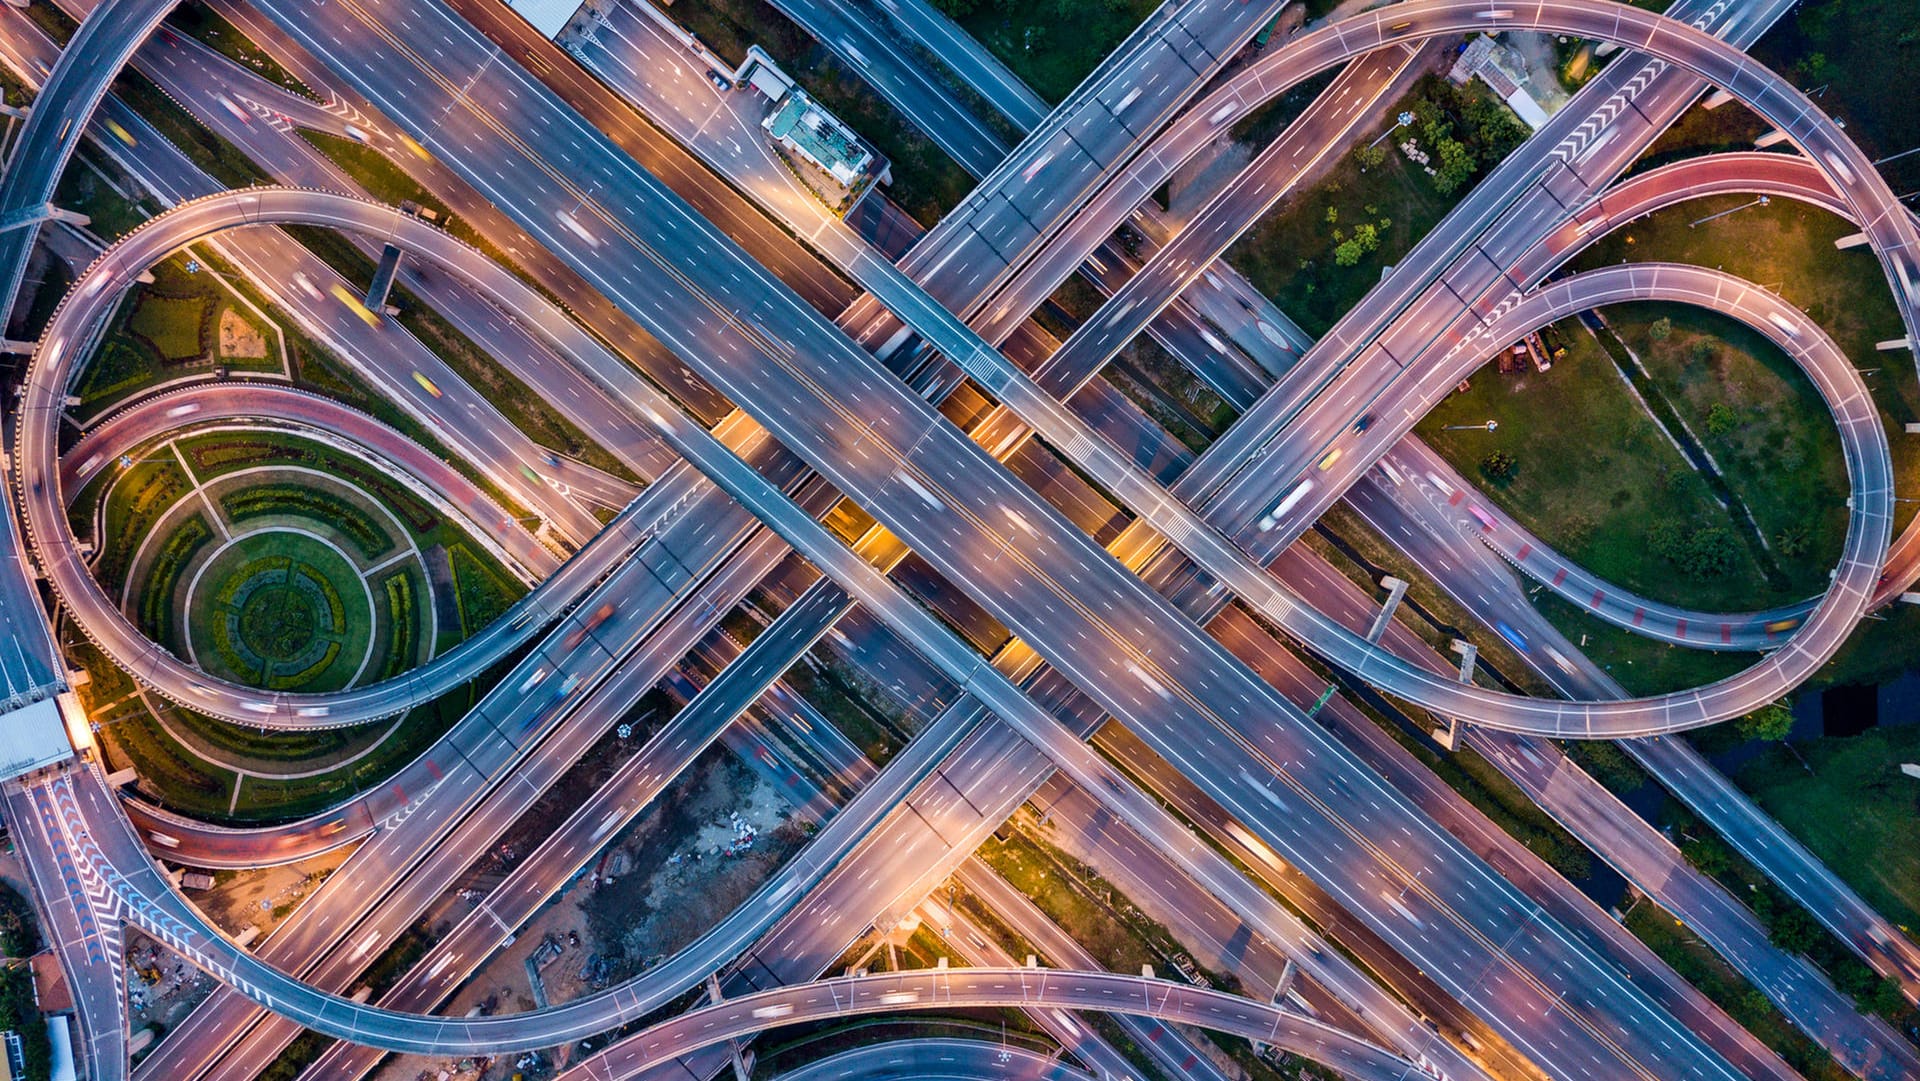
<point x="1490" y="426"/>
<point x="1400" y="121"/>
<point x="1761" y="201"/>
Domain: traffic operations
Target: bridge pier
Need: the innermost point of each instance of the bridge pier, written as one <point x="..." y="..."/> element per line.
<point x="1396" y="589"/>
<point x="1716" y="99"/>
<point x="1285" y="986"/>
<point x="382" y="285"/>
<point x="1892" y="344"/>
<point x="1449" y="737"/>
<point x="1851" y="240"/>
<point x="1772" y="138"/>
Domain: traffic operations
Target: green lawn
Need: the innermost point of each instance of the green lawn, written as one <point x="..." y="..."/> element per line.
<point x="167" y="330"/>
<point x="1289" y="255"/>
<point x="1594" y="473"/>
<point x="281" y="610"/>
<point x="1855" y="810"/>
<point x="135" y="502"/>
<point x="1788" y="246"/>
<point x="1052" y="45"/>
<point x="171" y="324"/>
<point x="1763" y="422"/>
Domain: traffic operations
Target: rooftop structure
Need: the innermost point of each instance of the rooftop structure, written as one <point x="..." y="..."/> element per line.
<point x="802" y="126"/>
<point x="1503" y="70"/>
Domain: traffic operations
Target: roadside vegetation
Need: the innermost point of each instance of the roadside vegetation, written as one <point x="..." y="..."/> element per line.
<point x="1052" y="45"/>
<point x="186" y="323"/>
<point x="20" y="1014"/>
<point x="1699" y="965"/>
<point x="1586" y="468"/>
<point x="1789" y="926"/>
<point x="1845" y="798"/>
<point x="1856" y="57"/>
<point x="200" y="22"/>
<point x="926" y="182"/>
<point x="1322" y="249"/>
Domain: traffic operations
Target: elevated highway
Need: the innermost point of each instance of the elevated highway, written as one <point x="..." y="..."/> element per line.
<point x="269" y="205"/>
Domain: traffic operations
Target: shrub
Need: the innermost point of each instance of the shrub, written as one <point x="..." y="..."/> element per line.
<point x="1661" y="329"/>
<point x="19" y="931"/>
<point x="1722" y="420"/>
<point x="1771" y="722"/>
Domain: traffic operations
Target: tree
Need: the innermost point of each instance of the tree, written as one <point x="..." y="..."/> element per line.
<point x="1771" y="722"/>
<point x="1793" y="928"/>
<point x="1702" y="351"/>
<point x="1370" y="157"/>
<point x="1722" y="420"/>
<point x="19" y="934"/>
<point x="1792" y="540"/>
<point x="1708" y="855"/>
<point x="1499" y="466"/>
<point x="1456" y="166"/>
<point x="1711" y="553"/>
<point x="1333" y="215"/>
<point x="1886" y="999"/>
<point x="1661" y="330"/>
<point x="1365" y="239"/>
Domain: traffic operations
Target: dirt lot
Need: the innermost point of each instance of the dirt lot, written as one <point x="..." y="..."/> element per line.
<point x="659" y="883"/>
<point x="162" y="989"/>
<point x="240" y="339"/>
<point x="263" y="898"/>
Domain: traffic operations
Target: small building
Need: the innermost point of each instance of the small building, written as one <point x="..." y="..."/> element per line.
<point x="547" y="16"/>
<point x="799" y="124"/>
<point x="60" y="1035"/>
<point x="36" y="735"/>
<point x="1505" y="73"/>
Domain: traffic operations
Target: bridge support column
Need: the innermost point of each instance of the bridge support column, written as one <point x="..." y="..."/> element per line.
<point x="1892" y="344"/>
<point x="1469" y="656"/>
<point x="1396" y="589"/>
<point x="1285" y="986"/>
<point x="17" y="347"/>
<point x="1716" y="99"/>
<point x="742" y="1061"/>
<point x="1910" y="598"/>
<point x="383" y="275"/>
<point x="1771" y="138"/>
<point x="1851" y="240"/>
<point x="1449" y="737"/>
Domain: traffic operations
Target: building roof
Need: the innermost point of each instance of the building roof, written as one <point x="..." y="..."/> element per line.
<point x="819" y="136"/>
<point x="547" y="16"/>
<point x="33" y="736"/>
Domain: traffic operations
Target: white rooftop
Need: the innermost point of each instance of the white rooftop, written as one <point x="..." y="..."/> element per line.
<point x="33" y="736"/>
<point x="547" y="16"/>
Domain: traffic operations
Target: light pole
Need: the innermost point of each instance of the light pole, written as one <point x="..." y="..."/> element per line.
<point x="1761" y="201"/>
<point x="1400" y="121"/>
<point x="1490" y="426"/>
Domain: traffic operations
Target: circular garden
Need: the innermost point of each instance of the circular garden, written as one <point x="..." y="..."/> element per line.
<point x="280" y="608"/>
